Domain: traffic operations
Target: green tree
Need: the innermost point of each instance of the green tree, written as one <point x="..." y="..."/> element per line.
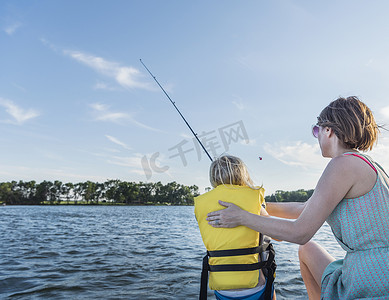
<point x="146" y="193"/>
<point x="78" y="191"/>
<point x="6" y="192"/>
<point x="290" y="196"/>
<point x="159" y="196"/>
<point x="31" y="191"/>
<point x="110" y="188"/>
<point x="89" y="191"/>
<point x="42" y="191"/>
<point x="66" y="189"/>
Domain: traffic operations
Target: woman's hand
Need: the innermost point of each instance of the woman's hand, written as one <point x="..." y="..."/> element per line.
<point x="230" y="217"/>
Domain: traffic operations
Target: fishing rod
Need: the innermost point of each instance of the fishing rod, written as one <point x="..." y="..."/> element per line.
<point x="174" y="104"/>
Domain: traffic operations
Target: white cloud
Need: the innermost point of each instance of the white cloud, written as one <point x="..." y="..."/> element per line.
<point x="99" y="106"/>
<point x="50" y="45"/>
<point x="145" y="165"/>
<point x="112" y="150"/>
<point x="15" y="172"/>
<point x="141" y="125"/>
<point x="126" y="76"/>
<point x="250" y="142"/>
<point x="385" y="111"/>
<point x="104" y="86"/>
<point x="309" y="156"/>
<point x="11" y="29"/>
<point x="380" y="152"/>
<point x="186" y="136"/>
<point x="134" y="163"/>
<point x="18" y="114"/>
<point x="19" y="87"/>
<point x="369" y="62"/>
<point x="297" y="154"/>
<point x="238" y="103"/>
<point x="116" y="141"/>
<point x="112" y="117"/>
<point x="102" y="112"/>
<point x="129" y="161"/>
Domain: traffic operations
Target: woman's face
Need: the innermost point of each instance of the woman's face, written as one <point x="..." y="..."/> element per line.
<point x="324" y="141"/>
<point x="322" y="135"/>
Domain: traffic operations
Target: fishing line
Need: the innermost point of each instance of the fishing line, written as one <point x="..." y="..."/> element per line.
<point x="195" y="134"/>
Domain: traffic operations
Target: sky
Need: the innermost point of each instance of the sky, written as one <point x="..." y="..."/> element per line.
<point x="250" y="77"/>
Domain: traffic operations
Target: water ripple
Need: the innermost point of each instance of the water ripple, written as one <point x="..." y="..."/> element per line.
<point x="81" y="252"/>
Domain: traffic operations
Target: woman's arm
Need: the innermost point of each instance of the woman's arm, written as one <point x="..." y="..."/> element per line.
<point x="265" y="214"/>
<point x="287" y="210"/>
<point x="334" y="184"/>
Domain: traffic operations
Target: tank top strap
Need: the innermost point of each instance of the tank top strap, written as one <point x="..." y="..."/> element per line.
<point x="382" y="174"/>
<point x="365" y="158"/>
<point x="383" y="171"/>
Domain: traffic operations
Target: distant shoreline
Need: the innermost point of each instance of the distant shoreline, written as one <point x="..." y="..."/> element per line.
<point x="116" y="192"/>
<point x="95" y="204"/>
<point x="96" y="193"/>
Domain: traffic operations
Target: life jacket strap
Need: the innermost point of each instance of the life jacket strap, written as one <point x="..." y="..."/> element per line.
<point x="204" y="279"/>
<point x="237" y="267"/>
<point x="269" y="265"/>
<point x="237" y="252"/>
<point x="271" y="272"/>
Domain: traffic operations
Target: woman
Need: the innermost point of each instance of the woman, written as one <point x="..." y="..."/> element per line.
<point x="352" y="195"/>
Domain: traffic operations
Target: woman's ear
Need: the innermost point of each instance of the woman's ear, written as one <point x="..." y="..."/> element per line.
<point x="328" y="132"/>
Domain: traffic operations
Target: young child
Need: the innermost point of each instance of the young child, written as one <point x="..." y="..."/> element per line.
<point x="230" y="179"/>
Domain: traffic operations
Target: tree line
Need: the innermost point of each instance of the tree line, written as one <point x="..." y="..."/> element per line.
<point x="116" y="192"/>
<point x="109" y="192"/>
<point x="290" y="196"/>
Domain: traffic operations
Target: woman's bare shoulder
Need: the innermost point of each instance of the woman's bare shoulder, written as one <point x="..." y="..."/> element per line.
<point x="356" y="171"/>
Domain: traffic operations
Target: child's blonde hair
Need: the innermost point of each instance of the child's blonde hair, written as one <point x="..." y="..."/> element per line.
<point x="228" y="169"/>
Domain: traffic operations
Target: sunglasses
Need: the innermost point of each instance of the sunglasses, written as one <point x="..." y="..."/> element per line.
<point x="315" y="130"/>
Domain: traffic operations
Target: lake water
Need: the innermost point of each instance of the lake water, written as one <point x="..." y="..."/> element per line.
<point x="117" y="252"/>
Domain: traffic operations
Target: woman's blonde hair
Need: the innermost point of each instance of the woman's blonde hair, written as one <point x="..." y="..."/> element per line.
<point x="352" y="121"/>
<point x="228" y="169"/>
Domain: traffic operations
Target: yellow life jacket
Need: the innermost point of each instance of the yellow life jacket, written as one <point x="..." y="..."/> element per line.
<point x="230" y="238"/>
